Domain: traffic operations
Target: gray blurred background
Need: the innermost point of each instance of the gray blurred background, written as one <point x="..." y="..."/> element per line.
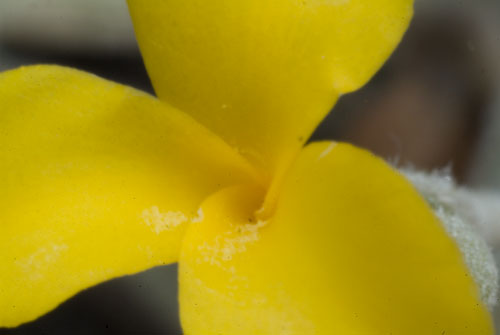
<point x="435" y="104"/>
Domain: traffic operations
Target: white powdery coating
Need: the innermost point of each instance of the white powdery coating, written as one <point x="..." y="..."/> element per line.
<point x="160" y="222"/>
<point x="231" y="242"/>
<point x="464" y="216"/>
<point x="36" y="264"/>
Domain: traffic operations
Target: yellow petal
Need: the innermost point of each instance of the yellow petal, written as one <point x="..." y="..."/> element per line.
<point x="262" y="73"/>
<point x="351" y="249"/>
<point x="96" y="182"/>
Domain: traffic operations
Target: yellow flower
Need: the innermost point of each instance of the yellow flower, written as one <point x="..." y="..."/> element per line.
<point x="100" y="180"/>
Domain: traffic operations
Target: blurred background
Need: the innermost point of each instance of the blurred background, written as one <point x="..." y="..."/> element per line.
<point x="434" y="105"/>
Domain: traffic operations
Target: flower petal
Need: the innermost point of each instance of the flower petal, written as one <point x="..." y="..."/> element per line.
<point x="97" y="181"/>
<point x="262" y="73"/>
<point x="351" y="249"/>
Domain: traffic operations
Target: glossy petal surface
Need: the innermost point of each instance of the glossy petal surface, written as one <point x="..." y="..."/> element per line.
<point x="351" y="249"/>
<point x="262" y="73"/>
<point x="97" y="181"/>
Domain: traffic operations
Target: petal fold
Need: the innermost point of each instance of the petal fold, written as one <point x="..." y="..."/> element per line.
<point x="351" y="249"/>
<point x="97" y="181"/>
<point x="263" y="74"/>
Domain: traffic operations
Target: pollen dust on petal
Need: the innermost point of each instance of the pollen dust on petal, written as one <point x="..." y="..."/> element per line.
<point x="162" y="221"/>
<point x="37" y="262"/>
<point x="200" y="216"/>
<point x="219" y="252"/>
<point x="231" y="242"/>
<point x="327" y="151"/>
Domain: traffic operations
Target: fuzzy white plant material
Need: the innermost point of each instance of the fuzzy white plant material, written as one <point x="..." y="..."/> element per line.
<point x="470" y="218"/>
